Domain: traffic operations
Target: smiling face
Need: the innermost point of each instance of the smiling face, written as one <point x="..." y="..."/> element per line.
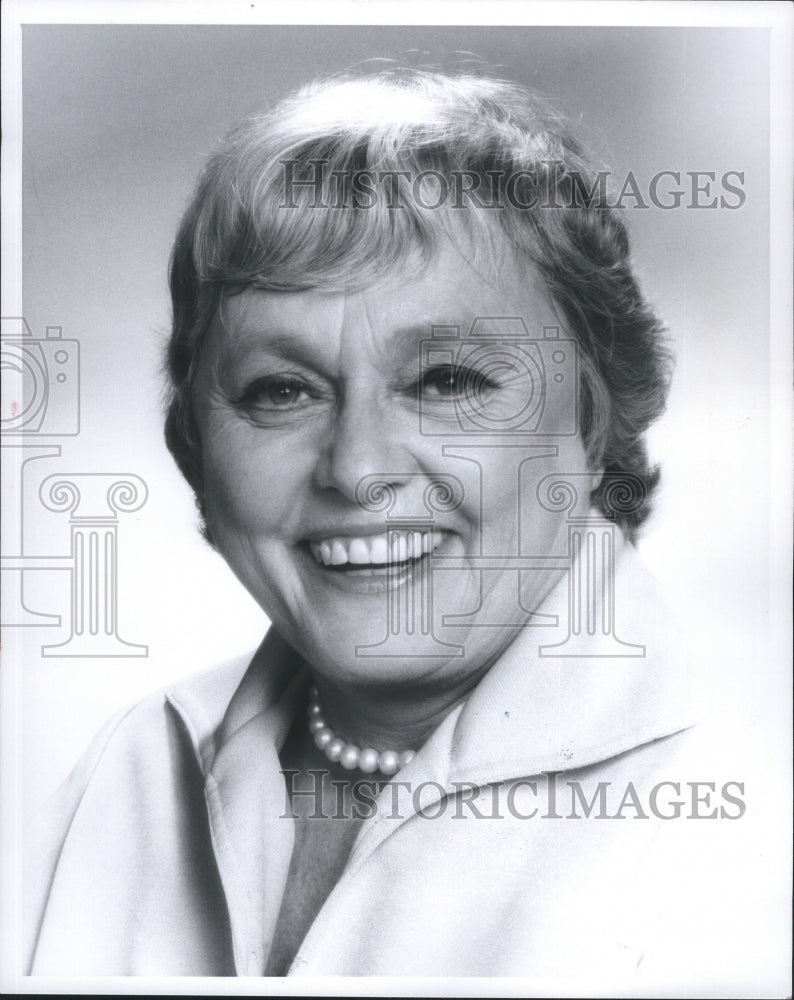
<point x="302" y="398"/>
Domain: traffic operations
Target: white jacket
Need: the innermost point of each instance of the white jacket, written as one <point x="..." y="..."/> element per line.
<point x="169" y="847"/>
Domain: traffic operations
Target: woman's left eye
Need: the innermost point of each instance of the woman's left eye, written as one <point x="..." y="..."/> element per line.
<point x="454" y="382"/>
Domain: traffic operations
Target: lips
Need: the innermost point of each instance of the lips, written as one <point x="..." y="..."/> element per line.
<point x="374" y="550"/>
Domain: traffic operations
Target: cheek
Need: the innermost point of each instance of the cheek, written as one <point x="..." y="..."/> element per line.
<point x="508" y="502"/>
<point x="247" y="488"/>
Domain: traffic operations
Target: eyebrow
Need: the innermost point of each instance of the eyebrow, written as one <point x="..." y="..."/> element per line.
<point x="424" y="330"/>
<point x="255" y="340"/>
<point x="290" y="344"/>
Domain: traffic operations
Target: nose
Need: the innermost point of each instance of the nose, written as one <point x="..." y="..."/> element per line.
<point x="364" y="440"/>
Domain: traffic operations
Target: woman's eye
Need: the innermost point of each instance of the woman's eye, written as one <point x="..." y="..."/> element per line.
<point x="275" y="393"/>
<point x="282" y="393"/>
<point x="451" y="381"/>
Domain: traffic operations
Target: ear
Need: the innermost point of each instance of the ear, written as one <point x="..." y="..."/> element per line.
<point x="595" y="479"/>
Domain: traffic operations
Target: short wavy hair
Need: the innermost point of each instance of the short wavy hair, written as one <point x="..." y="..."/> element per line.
<point x="235" y="234"/>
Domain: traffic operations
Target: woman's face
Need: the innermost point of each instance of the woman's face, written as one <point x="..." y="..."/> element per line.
<point x="301" y="396"/>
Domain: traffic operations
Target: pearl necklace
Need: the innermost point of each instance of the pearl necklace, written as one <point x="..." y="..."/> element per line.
<point x="388" y="762"/>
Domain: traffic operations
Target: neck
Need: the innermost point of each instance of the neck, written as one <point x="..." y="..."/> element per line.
<point x="386" y="718"/>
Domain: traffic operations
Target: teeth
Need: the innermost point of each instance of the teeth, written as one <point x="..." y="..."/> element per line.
<point x="358" y="551"/>
<point x="379" y="549"/>
<point x="403" y="545"/>
<point x="399" y="547"/>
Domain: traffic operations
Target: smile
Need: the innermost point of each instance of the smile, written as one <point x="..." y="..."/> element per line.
<point x="375" y="550"/>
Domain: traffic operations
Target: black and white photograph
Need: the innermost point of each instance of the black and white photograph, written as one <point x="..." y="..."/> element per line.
<point x="396" y="499"/>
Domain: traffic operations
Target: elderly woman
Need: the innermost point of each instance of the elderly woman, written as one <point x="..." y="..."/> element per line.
<point x="411" y="371"/>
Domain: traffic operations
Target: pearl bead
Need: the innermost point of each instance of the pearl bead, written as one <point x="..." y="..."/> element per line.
<point x="323" y="738"/>
<point x="334" y="749"/>
<point x="388" y="762"/>
<point x="368" y="761"/>
<point x="349" y="757"/>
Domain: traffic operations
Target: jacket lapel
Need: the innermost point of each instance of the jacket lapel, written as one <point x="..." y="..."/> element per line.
<point x="246" y="798"/>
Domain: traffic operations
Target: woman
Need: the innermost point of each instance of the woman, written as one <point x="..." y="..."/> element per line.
<point x="410" y="371"/>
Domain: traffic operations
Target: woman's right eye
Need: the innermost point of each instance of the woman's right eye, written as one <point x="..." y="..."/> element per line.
<point x="279" y="392"/>
<point x="275" y="394"/>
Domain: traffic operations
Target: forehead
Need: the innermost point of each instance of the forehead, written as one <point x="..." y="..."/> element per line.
<point x="459" y="284"/>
